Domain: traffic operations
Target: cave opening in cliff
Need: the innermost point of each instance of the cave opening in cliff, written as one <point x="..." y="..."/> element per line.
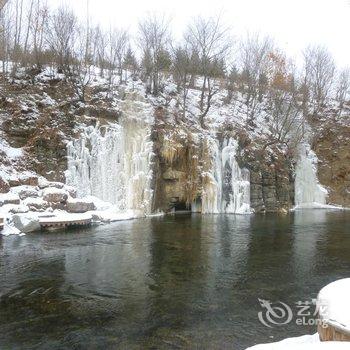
<point x="180" y="205"/>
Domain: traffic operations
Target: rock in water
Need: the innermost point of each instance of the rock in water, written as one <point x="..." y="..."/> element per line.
<point x="26" y="223"/>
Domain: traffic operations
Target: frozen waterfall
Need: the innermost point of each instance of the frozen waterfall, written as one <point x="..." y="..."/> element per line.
<point x="227" y="189"/>
<point x="113" y="163"/>
<point x="308" y="191"/>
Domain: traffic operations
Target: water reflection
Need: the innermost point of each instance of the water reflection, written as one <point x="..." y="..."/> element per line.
<point x="186" y="281"/>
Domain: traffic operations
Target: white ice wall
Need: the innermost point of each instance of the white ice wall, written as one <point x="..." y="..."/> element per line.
<point x="308" y="191"/>
<point x="229" y="188"/>
<point x="113" y="164"/>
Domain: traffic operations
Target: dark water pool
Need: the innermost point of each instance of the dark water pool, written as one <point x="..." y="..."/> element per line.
<point x="184" y="282"/>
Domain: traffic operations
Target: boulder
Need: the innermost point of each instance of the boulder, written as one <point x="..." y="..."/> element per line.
<point x="56" y="184"/>
<point x="55" y="195"/>
<point x="80" y="205"/>
<point x="9" y="198"/>
<point x="43" y="183"/>
<point x="14" y="181"/>
<point x="71" y="190"/>
<point x="28" y="192"/>
<point x="18" y="209"/>
<point x="4" y="185"/>
<point x="30" y="180"/>
<point x="26" y="222"/>
<point x="36" y="204"/>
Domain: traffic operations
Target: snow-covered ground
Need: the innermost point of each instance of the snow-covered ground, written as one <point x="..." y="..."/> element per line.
<point x="305" y="342"/>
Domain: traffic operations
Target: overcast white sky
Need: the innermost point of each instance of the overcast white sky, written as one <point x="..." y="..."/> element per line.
<point x="293" y="23"/>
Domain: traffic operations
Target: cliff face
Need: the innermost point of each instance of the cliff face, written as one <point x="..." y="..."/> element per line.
<point x="182" y="160"/>
<point x="177" y="168"/>
<point x="332" y="146"/>
<point x="43" y="117"/>
<point x="35" y="118"/>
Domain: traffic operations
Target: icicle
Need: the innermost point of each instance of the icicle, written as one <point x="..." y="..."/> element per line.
<point x="308" y="191"/>
<point x="113" y="165"/>
<point x="227" y="187"/>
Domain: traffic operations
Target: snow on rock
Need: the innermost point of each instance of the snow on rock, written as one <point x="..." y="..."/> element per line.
<point x="333" y="304"/>
<point x="11" y="230"/>
<point x="27" y="191"/>
<point x="4" y="185"/>
<point x="115" y="215"/>
<point x="83" y="205"/>
<point x="43" y="183"/>
<point x="305" y="342"/>
<point x="18" y="209"/>
<point x="10" y="151"/>
<point x="25" y="207"/>
<point x="55" y="195"/>
<point x="64" y="217"/>
<point x="99" y="203"/>
<point x="26" y="222"/>
<point x="9" y="198"/>
<point x="36" y="204"/>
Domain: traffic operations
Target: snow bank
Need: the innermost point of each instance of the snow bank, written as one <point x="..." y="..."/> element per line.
<point x="64" y="217"/>
<point x="114" y="215"/>
<point x="11" y="230"/>
<point x="25" y="207"/>
<point x="305" y="342"/>
<point x="315" y="205"/>
<point x="333" y="304"/>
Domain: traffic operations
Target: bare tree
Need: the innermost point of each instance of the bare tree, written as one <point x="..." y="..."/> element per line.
<point x="231" y="83"/>
<point x="119" y="41"/>
<point x="286" y="122"/>
<point x="38" y="29"/>
<point x="29" y="25"/>
<point x="84" y="55"/>
<point x="60" y="36"/>
<point x="6" y="26"/>
<point x="130" y="64"/>
<point x="319" y="74"/>
<point x="211" y="40"/>
<point x="100" y="42"/>
<point x="115" y="53"/>
<point x="254" y="59"/>
<point x="153" y="40"/>
<point x="18" y="22"/>
<point x="182" y="69"/>
<point x="343" y="88"/>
